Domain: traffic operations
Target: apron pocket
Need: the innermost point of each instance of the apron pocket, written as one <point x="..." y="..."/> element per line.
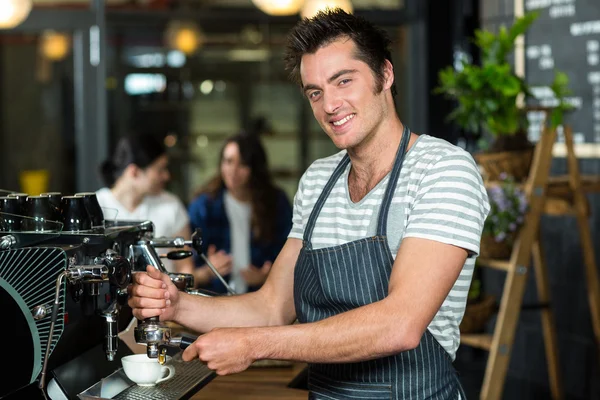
<point x="322" y="387"/>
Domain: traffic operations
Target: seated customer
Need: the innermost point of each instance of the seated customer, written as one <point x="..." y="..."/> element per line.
<point x="244" y="217"/>
<point x="135" y="178"/>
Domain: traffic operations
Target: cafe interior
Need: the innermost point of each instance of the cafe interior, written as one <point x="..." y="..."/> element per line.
<point x="77" y="76"/>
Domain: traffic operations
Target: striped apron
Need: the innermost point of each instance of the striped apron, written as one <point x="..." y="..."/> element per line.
<point x="332" y="280"/>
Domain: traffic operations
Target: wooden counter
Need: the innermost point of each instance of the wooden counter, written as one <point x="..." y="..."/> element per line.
<point x="256" y="383"/>
<point x="260" y="381"/>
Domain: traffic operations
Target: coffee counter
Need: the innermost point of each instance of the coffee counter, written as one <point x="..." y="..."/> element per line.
<point x="263" y="380"/>
<point x="256" y="383"/>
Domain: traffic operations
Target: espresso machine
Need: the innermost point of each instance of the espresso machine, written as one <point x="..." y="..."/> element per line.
<point x="64" y="295"/>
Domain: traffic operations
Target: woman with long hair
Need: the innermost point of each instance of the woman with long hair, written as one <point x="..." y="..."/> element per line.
<point x="135" y="178"/>
<point x="245" y="218"/>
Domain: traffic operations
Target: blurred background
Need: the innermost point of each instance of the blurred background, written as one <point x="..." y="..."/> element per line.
<point x="76" y="75"/>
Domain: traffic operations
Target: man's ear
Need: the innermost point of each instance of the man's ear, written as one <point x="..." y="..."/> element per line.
<point x="388" y="75"/>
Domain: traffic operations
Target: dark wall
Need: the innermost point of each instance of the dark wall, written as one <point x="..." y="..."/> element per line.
<point x="450" y="24"/>
<point x="35" y="128"/>
<point x="578" y="353"/>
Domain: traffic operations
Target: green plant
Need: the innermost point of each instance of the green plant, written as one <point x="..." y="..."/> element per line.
<point x="508" y="205"/>
<point x="487" y="94"/>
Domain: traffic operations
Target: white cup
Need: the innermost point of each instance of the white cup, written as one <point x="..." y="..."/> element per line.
<point x="146" y="371"/>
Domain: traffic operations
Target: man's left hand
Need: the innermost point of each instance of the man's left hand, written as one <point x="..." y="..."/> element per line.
<point x="224" y="350"/>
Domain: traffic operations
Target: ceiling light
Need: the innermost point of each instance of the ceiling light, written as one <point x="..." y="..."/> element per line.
<point x="54" y="45"/>
<point x="184" y="36"/>
<point x="279" y="7"/>
<point x="312" y="7"/>
<point x="248" y="55"/>
<point x="206" y="87"/>
<point x="13" y="12"/>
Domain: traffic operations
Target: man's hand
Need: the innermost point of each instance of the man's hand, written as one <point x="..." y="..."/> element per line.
<point x="151" y="294"/>
<point x="224" y="350"/>
<point x="256" y="276"/>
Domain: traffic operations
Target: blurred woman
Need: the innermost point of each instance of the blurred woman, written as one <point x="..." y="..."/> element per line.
<point x="244" y="217"/>
<point x="135" y="178"/>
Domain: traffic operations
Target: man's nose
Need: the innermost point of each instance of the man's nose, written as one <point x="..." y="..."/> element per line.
<point x="331" y="103"/>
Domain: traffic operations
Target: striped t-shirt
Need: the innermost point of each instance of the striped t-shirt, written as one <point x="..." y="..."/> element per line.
<point x="439" y="196"/>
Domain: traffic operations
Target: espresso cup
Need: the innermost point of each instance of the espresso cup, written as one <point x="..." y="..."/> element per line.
<point x="146" y="371"/>
<point x="93" y="208"/>
<point x="41" y="214"/>
<point x="10" y="219"/>
<point x="21" y="198"/>
<point x="74" y="215"/>
<point x="55" y="198"/>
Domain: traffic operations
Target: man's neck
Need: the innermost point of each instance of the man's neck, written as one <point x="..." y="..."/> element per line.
<point x="373" y="160"/>
<point x="128" y="198"/>
<point x="378" y="150"/>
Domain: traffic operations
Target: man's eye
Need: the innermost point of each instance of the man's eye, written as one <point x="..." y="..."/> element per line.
<point x="313" y="95"/>
<point x="344" y="81"/>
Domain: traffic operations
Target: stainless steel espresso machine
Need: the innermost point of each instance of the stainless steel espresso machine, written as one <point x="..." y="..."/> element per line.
<point x="64" y="300"/>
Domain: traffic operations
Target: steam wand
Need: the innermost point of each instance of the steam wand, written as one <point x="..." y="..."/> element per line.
<point x="196" y="244"/>
<point x="55" y="307"/>
<point x="217" y="274"/>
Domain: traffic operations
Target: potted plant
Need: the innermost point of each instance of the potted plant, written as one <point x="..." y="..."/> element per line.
<point x="486" y="101"/>
<point x="508" y="205"/>
<point x="480" y="307"/>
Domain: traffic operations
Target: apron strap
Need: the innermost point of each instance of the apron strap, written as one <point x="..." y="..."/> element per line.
<point x="312" y="220"/>
<point x="387" y="199"/>
<point x="391" y="186"/>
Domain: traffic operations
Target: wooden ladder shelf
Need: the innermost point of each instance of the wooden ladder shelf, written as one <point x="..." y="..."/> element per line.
<point x="564" y="195"/>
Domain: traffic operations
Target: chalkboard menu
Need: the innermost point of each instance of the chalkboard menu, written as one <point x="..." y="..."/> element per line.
<point x="566" y="37"/>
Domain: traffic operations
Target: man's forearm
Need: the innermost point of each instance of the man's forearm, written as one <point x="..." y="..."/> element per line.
<point x="369" y="332"/>
<point x="202" y="314"/>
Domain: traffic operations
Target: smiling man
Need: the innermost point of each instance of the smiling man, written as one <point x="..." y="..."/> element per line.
<point x="379" y="261"/>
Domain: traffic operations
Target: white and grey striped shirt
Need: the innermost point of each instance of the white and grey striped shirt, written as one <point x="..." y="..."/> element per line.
<point x="439" y="196"/>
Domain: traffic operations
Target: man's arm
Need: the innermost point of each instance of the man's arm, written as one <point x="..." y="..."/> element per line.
<point x="423" y="275"/>
<point x="272" y="304"/>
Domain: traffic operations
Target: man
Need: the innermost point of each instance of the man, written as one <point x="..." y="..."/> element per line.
<point x="381" y="254"/>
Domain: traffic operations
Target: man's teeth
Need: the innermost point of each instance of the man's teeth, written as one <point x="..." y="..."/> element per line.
<point x="343" y="120"/>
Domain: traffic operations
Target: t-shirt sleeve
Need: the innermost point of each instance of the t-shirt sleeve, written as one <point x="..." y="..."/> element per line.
<point x="451" y="203"/>
<point x="297" y="231"/>
<point x="180" y="218"/>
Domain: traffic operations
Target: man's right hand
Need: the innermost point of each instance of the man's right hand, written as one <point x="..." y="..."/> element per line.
<point x="153" y="293"/>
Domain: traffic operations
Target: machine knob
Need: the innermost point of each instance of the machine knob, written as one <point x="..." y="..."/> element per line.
<point x="119" y="271"/>
<point x="197" y="240"/>
<point x="179" y="254"/>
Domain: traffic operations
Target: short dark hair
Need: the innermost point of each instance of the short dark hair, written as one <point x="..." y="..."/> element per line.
<point x="310" y="34"/>
<point x="138" y="149"/>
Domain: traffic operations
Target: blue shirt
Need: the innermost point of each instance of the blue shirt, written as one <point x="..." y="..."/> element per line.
<point x="209" y="215"/>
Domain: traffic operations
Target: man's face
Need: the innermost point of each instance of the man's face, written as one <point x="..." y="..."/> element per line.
<point x="154" y="177"/>
<point x="341" y="92"/>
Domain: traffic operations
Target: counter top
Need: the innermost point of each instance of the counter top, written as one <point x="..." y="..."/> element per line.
<point x="256" y="383"/>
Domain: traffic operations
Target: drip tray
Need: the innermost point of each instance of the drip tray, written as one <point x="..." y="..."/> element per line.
<point x="189" y="378"/>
